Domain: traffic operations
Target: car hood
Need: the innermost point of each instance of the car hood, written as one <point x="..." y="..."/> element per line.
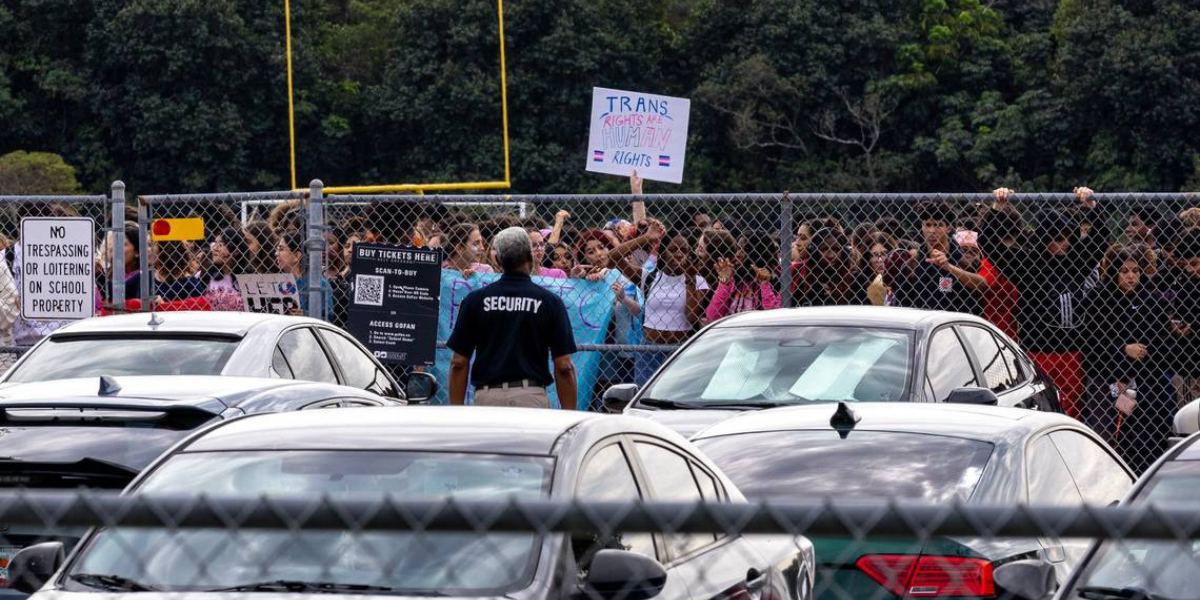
<point x="685" y="422"/>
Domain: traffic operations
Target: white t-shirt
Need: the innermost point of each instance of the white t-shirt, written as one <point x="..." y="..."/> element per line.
<point x="666" y="302"/>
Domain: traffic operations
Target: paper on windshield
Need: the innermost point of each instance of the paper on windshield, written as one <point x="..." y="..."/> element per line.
<point x="744" y="372"/>
<point x="840" y="368"/>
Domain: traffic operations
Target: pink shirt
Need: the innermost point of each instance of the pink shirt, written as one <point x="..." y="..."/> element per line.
<point x="749" y="296"/>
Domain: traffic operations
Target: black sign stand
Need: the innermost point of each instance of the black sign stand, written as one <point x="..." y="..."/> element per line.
<point x="394" y="301"/>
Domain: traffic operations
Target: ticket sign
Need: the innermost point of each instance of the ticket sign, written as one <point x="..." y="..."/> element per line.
<point x="58" y="279"/>
<point x="394" y="307"/>
<point x="632" y="131"/>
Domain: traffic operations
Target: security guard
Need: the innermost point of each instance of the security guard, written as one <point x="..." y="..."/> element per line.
<point x="512" y="327"/>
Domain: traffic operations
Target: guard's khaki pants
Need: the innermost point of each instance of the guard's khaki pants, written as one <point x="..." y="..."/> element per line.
<point x="524" y="397"/>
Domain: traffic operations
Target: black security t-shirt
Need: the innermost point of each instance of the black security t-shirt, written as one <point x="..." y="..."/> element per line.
<point x="514" y="328"/>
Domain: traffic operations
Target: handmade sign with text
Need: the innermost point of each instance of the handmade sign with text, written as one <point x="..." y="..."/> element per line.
<point x="631" y="131"/>
<point x="273" y="293"/>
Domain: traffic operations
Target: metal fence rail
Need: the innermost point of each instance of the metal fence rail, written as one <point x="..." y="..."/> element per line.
<point x="829" y="517"/>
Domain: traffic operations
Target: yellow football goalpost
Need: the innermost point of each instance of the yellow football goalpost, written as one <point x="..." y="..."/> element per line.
<point x="403" y="187"/>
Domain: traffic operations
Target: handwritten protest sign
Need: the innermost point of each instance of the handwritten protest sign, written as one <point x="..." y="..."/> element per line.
<point x="273" y="293"/>
<point x="589" y="306"/>
<point x="634" y="131"/>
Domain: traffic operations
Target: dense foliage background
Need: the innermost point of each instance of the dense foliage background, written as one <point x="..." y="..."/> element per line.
<point x="189" y="95"/>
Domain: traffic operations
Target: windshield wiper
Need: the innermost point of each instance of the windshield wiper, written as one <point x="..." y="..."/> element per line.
<point x="284" y="585"/>
<point x="752" y="404"/>
<point x="668" y="404"/>
<point x="1111" y="593"/>
<point x="111" y="582"/>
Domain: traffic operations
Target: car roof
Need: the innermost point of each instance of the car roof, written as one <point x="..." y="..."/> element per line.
<point x="213" y="322"/>
<point x="861" y="316"/>
<point x="1190" y="448"/>
<point x="165" y="387"/>
<point x="958" y="420"/>
<point x="442" y="428"/>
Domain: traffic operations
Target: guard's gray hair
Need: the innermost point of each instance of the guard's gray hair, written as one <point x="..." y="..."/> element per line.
<point x="513" y="249"/>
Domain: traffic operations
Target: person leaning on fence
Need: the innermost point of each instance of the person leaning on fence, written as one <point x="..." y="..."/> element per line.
<point x="1185" y="316"/>
<point x="1053" y="272"/>
<point x="290" y="257"/>
<point x="743" y="276"/>
<point x="229" y="257"/>
<point x="834" y="276"/>
<point x="935" y="279"/>
<point x="1128" y="400"/>
<point x="512" y="328"/>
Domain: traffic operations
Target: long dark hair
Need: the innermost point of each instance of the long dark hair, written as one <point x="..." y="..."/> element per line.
<point x="234" y="238"/>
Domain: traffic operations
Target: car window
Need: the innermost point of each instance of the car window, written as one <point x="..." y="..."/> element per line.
<point x="671" y="480"/>
<point x="607" y="477"/>
<point x="1049" y="479"/>
<point x="708" y="484"/>
<point x="785" y="465"/>
<point x="1097" y="474"/>
<point x="358" y="368"/>
<point x="306" y="357"/>
<point x="996" y="373"/>
<point x="280" y="364"/>
<point x="1013" y="361"/>
<point x="788" y="364"/>
<point x="947" y="365"/>
<point x="68" y="357"/>
<point x="1162" y="568"/>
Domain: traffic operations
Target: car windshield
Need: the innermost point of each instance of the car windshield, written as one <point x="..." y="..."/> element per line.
<point x="107" y="456"/>
<point x="812" y="464"/>
<point x="788" y="365"/>
<point x="1164" y="569"/>
<point x="399" y="561"/>
<point x="73" y="357"/>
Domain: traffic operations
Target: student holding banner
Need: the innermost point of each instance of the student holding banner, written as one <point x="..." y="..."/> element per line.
<point x="512" y="328"/>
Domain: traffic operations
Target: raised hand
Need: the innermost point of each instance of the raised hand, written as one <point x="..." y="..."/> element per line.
<point x="635" y="184"/>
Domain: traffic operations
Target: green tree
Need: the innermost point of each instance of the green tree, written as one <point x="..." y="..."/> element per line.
<point x="26" y="173"/>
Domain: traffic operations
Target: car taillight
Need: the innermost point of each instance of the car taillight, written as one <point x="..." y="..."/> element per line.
<point x="929" y="576"/>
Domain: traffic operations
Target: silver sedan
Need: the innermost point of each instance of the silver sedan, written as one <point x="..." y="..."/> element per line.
<point x="212" y="343"/>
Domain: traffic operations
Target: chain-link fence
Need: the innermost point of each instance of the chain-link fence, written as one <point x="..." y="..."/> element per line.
<point x="370" y="544"/>
<point x="103" y="262"/>
<point x="1100" y="290"/>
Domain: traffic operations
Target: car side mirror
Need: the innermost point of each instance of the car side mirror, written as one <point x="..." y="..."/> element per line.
<point x="617" y="397"/>
<point x="32" y="567"/>
<point x="1026" y="579"/>
<point x="973" y="395"/>
<point x="620" y="574"/>
<point x="419" y="387"/>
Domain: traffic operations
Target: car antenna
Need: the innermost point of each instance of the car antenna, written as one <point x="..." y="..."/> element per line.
<point x="108" y="386"/>
<point x="844" y="419"/>
<point x="155" y="319"/>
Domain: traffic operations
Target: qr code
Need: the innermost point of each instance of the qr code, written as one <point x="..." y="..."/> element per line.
<point x="368" y="289"/>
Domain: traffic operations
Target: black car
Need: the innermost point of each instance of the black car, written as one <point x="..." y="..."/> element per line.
<point x="799" y="356"/>
<point x="933" y="453"/>
<point x="1148" y="569"/>
<point x="100" y="432"/>
<point x="431" y="454"/>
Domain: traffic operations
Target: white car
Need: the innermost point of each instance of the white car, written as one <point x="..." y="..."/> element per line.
<point x="1187" y="420"/>
<point x="237" y="344"/>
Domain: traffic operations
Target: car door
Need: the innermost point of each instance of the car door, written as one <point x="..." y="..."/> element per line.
<point x="608" y="476"/>
<point x="299" y="355"/>
<point x="714" y="566"/>
<point x="1049" y="482"/>
<point x="947" y="366"/>
<point x="358" y="369"/>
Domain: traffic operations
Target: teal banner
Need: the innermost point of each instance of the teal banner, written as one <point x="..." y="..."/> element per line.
<point x="589" y="305"/>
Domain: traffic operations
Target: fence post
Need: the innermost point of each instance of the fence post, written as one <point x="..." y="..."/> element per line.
<point x="118" y="245"/>
<point x="145" y="277"/>
<point x="316" y="249"/>
<point x="785" y="251"/>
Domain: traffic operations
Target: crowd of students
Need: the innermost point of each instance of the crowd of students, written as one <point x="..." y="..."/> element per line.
<point x="1112" y="319"/>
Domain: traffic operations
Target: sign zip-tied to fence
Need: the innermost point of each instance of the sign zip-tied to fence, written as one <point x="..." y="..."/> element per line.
<point x="57" y="266"/>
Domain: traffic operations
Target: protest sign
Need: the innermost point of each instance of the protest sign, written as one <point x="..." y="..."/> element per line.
<point x="273" y="293"/>
<point x="394" y="308"/>
<point x="589" y="306"/>
<point x="634" y="131"/>
<point x="57" y="266"/>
